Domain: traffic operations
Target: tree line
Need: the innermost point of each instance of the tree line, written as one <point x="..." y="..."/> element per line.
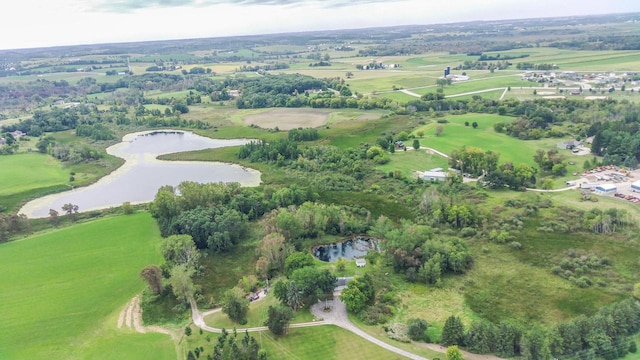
<point x="604" y="335"/>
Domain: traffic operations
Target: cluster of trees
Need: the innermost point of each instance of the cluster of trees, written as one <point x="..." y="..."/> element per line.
<point x="66" y="152"/>
<point x="228" y="204"/>
<point x="515" y="177"/>
<point x="483" y="65"/>
<point x="304" y="287"/>
<point x="532" y="66"/>
<point x="307" y="134"/>
<point x="474" y="161"/>
<point x="294" y="90"/>
<point x="266" y="67"/>
<point x="617" y="141"/>
<point x="415" y="251"/>
<point x="229" y="347"/>
<point x="550" y="162"/>
<point x="94" y="131"/>
<point x="277" y="151"/>
<point x="11" y="224"/>
<point x="176" y="273"/>
<point x="605" y="335"/>
<point x="489" y="57"/>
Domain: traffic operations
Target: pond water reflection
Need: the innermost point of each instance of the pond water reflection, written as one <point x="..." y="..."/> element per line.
<point x="348" y="249"/>
<point x="142" y="174"/>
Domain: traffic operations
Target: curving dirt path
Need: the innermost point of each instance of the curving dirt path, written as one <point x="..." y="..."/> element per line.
<point x="131" y="317"/>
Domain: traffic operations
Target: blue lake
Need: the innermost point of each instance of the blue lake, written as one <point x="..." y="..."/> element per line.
<point x="138" y="180"/>
<point x="349" y="249"/>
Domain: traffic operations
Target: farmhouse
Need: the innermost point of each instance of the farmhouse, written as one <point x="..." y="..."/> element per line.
<point x="569" y="145"/>
<point x="606" y="189"/>
<point x="361" y="263"/>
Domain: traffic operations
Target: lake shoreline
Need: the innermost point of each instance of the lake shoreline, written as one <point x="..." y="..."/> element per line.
<point x="34" y="208"/>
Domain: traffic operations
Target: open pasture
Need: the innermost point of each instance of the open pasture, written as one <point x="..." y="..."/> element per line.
<point x="287" y="119"/>
<point x="455" y="135"/>
<point x="59" y="288"/>
<point x="27" y="171"/>
<point x="410" y="161"/>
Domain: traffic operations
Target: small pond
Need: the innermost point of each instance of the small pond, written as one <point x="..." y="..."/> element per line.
<point x="138" y="180"/>
<point x="348" y="249"/>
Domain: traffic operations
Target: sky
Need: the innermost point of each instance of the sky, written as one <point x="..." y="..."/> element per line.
<point x="39" y="23"/>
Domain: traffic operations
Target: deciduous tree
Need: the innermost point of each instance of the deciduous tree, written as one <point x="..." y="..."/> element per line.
<point x="278" y="319"/>
<point x="235" y="304"/>
<point x="153" y="277"/>
<point x="181" y="281"/>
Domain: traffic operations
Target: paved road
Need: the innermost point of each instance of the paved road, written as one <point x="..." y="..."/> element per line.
<point x="337" y="315"/>
<point x="475" y="92"/>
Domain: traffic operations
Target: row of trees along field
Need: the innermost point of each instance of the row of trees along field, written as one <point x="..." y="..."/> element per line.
<point x="605" y="335"/>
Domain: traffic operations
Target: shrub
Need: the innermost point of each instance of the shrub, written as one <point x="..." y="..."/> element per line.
<point x="398" y="332"/>
<point x="468" y="232"/>
<point x="417" y="329"/>
<point x="516" y="245"/>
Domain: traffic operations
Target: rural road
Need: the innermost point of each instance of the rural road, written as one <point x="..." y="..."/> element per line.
<point x="336" y="316"/>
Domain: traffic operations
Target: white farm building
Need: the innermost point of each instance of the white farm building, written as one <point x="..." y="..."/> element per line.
<point x="606" y="189"/>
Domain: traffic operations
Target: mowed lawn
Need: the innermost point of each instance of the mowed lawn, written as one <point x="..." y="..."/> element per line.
<point x="455" y="135"/>
<point x="60" y="291"/>
<point x="23" y="172"/>
<point x="322" y="342"/>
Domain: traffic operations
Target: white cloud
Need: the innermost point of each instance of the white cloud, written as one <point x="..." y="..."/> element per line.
<point x="31" y="23"/>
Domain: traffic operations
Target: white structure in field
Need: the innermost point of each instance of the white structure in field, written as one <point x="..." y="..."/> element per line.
<point x="606" y="189"/>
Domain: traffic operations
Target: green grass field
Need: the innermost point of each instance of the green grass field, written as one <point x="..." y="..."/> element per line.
<point x="410" y="161"/>
<point x="63" y="289"/>
<point x="258" y="313"/>
<point x="318" y="342"/>
<point x="19" y="169"/>
<point x="455" y="135"/>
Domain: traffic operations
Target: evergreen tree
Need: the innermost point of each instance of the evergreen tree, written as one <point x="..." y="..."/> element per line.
<point x="453" y="332"/>
<point x="508" y="339"/>
<point x="481" y="338"/>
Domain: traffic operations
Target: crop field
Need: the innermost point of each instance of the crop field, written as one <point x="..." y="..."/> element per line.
<point x="61" y="287"/>
<point x="287" y="119"/>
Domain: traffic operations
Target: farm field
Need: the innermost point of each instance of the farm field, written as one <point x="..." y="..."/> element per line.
<point x="22" y="168"/>
<point x="60" y="288"/>
<point x="455" y="135"/>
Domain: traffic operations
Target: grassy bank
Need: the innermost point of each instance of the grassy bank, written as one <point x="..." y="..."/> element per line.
<point x="60" y="287"/>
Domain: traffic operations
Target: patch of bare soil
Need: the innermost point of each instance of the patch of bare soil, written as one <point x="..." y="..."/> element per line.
<point x="287" y="119"/>
<point x="131" y="317"/>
